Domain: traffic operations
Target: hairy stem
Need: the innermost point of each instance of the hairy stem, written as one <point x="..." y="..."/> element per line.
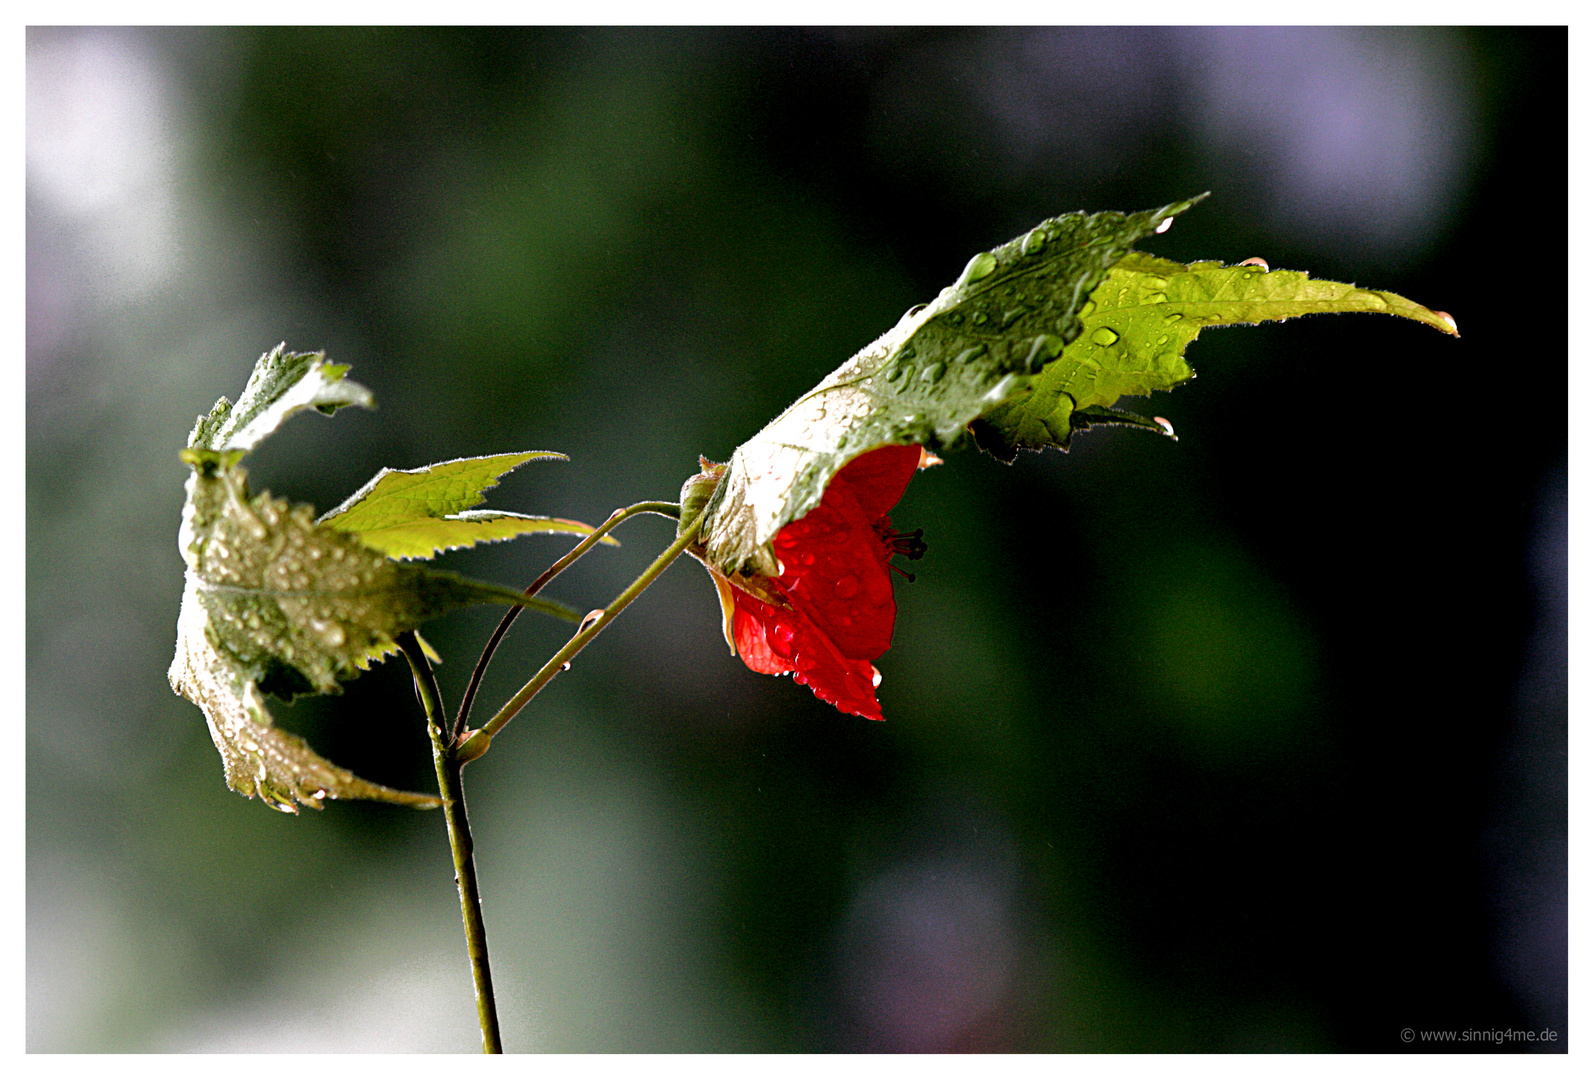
<point x="669" y="510"/>
<point x="590" y="630"/>
<point x="450" y="784"/>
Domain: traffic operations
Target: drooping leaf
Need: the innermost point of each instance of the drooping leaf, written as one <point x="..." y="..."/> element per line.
<point x="415" y="513"/>
<point x="1136" y="328"/>
<point x="283" y="383"/>
<point x="1011" y="311"/>
<point x="275" y="603"/>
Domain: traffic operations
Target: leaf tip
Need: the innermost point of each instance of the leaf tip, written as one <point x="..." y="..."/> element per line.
<point x="1449" y="321"/>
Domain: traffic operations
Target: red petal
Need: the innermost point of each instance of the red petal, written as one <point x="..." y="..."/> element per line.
<point x="774" y="641"/>
<point x="754" y="625"/>
<point x="834" y="572"/>
<point x="878" y="479"/>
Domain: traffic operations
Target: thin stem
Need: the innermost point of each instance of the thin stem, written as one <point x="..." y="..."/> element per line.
<point x="669" y="510"/>
<point x="450" y="784"/>
<point x="591" y="630"/>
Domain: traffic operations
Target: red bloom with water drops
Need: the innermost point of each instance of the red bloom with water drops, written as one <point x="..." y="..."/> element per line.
<point x="831" y="610"/>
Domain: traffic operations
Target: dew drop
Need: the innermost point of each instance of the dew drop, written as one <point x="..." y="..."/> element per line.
<point x="1088" y="310"/>
<point x="934" y="372"/>
<point x="979" y="267"/>
<point x="876" y="677"/>
<point x="1153" y="283"/>
<point x="1164" y="225"/>
<point x="965" y="356"/>
<point x="1034" y="241"/>
<point x="1104" y="336"/>
<point x="847" y="587"/>
<point x="781" y="640"/>
<point x="1450" y="322"/>
<point x="840" y="537"/>
<point x="1162" y="339"/>
<point x="1045" y="348"/>
<point x="1256" y="261"/>
<point x="979" y="318"/>
<point x="565" y="666"/>
<point x="1172" y="316"/>
<point x="807" y="559"/>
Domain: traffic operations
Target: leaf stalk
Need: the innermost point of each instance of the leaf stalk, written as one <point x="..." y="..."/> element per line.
<point x="561" y="659"/>
<point x="669" y="510"/>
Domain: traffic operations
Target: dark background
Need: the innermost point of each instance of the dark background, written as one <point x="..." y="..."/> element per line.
<point x="1251" y="741"/>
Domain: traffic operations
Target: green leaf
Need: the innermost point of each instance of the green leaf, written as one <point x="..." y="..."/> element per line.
<point x="283" y="383"/>
<point x="276" y="603"/>
<point x="976" y="346"/>
<point x="1135" y="331"/>
<point x="415" y="513"/>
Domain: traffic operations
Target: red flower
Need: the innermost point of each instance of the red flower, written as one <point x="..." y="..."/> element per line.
<point x="831" y="610"/>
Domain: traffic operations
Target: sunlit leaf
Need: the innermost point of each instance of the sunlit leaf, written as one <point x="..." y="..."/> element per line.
<point x="276" y="603"/>
<point x="415" y="513"/>
<point x="1135" y="331"/>
<point x="283" y="383"/>
<point x="1011" y="311"/>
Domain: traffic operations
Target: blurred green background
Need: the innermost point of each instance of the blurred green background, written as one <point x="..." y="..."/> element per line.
<point x="1251" y="741"/>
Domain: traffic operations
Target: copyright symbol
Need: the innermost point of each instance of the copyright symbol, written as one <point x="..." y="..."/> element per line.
<point x="1406" y="1034"/>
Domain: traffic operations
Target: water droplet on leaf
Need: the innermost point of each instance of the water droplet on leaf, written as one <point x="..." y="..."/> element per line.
<point x="1034" y="241"/>
<point x="1255" y="261"/>
<point x="936" y="370"/>
<point x="1104" y="336"/>
<point x="979" y="267"/>
<point x="1088" y="310"/>
<point x="1164" y="225"/>
<point x="847" y="586"/>
<point x="1045" y="348"/>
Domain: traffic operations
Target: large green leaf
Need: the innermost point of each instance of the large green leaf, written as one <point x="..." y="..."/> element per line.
<point x="276" y="603"/>
<point x="1136" y="328"/>
<point x="415" y="513"/>
<point x="1012" y="310"/>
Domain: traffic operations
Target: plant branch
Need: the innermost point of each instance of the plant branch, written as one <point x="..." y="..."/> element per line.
<point x="450" y="785"/>
<point x="588" y="631"/>
<point x="669" y="510"/>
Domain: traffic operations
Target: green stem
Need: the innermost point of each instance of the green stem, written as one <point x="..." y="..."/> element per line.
<point x="451" y="785"/>
<point x="591" y="630"/>
<point x="669" y="510"/>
